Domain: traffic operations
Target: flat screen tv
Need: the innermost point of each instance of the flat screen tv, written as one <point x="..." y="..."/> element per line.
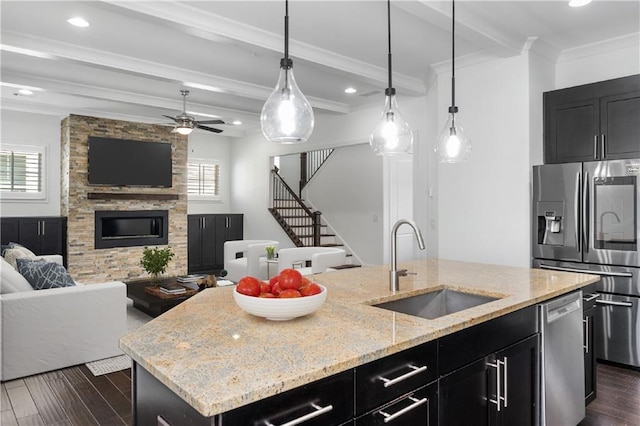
<point x="121" y="162"/>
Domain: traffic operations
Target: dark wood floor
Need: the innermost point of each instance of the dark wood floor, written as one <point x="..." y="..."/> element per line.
<point x="618" y="398"/>
<point x="73" y="396"/>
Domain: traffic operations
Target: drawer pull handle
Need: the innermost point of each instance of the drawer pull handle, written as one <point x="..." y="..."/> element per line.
<point x="415" y="370"/>
<point x="319" y="411"/>
<point x="416" y="403"/>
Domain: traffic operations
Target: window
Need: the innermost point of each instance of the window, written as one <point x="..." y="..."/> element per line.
<point x="203" y="179"/>
<point x="22" y="172"/>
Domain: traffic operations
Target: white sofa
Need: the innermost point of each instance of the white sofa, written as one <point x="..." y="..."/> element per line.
<point x="253" y="261"/>
<point x="321" y="258"/>
<point x="44" y="330"/>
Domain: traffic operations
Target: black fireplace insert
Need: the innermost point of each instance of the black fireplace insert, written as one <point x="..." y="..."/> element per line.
<point x="131" y="228"/>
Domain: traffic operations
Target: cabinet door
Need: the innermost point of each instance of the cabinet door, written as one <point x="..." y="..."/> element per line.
<point x="221" y="223"/>
<point x="521" y="384"/>
<point x="30" y="234"/>
<point x="194" y="243"/>
<point x="416" y="408"/>
<point x="236" y="227"/>
<point x="209" y="237"/>
<point x="589" y="355"/>
<point x="571" y="130"/>
<point x="620" y="126"/>
<point x="52" y="236"/>
<point x="462" y="398"/>
<point x="9" y="231"/>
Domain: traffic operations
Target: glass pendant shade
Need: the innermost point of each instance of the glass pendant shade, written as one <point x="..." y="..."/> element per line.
<point x="453" y="143"/>
<point x="392" y="134"/>
<point x="287" y="116"/>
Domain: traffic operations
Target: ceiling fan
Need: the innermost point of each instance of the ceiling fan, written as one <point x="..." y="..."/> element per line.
<point x="186" y="123"/>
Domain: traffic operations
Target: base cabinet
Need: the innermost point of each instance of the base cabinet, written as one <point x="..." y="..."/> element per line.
<point x="493" y="381"/>
<point x="41" y="235"/>
<point x="206" y="235"/>
<point x="499" y="389"/>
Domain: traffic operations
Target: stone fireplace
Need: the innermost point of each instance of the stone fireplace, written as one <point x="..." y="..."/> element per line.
<point x="135" y="216"/>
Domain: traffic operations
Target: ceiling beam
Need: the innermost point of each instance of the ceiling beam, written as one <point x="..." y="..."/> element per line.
<point x="195" y="21"/>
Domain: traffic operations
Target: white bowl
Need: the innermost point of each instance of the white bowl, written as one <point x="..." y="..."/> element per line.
<point x="280" y="309"/>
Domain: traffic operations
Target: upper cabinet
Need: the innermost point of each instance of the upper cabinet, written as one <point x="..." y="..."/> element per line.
<point x="598" y="121"/>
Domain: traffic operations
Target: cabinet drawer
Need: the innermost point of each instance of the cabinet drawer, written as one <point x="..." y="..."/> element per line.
<point x="416" y="408"/>
<point x="326" y="402"/>
<point x="464" y="347"/>
<point x="386" y="379"/>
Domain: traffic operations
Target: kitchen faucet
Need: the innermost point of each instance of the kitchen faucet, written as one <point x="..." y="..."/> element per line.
<point x="394" y="274"/>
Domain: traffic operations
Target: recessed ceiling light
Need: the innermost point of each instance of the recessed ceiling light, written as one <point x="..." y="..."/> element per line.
<point x="350" y="90"/>
<point x="579" y="3"/>
<point x="77" y="21"/>
<point x="237" y="122"/>
<point x="25" y="92"/>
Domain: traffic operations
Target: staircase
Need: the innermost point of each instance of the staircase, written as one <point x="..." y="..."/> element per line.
<point x="302" y="224"/>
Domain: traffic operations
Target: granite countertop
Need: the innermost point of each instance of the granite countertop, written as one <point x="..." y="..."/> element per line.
<point x="217" y="357"/>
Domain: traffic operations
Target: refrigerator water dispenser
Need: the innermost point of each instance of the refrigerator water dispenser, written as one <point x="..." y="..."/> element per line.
<point x="550" y="229"/>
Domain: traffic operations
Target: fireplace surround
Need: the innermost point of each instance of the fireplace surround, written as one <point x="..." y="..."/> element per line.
<point x="131" y="228"/>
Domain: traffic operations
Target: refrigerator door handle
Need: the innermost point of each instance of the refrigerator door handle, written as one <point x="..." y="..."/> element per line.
<point x="585" y="213"/>
<point x="576" y="212"/>
<point x="614" y="303"/>
<point x="587" y="271"/>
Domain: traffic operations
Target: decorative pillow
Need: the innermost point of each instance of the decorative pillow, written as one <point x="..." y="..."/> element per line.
<point x="11" y="254"/>
<point x="42" y="274"/>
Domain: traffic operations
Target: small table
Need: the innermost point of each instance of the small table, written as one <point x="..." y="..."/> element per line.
<point x="269" y="263"/>
<point x="148" y="303"/>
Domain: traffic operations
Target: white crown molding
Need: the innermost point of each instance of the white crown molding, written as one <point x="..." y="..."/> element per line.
<point x="605" y="46"/>
<point x="98" y="58"/>
<point x="470" y="27"/>
<point x="541" y="48"/>
<point x="205" y="24"/>
<point x="462" y="62"/>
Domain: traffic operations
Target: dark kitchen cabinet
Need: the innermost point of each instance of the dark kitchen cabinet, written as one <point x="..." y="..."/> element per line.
<point x="41" y="235"/>
<point x="228" y="228"/>
<point x="597" y="121"/>
<point x="499" y="389"/>
<point x="206" y="235"/>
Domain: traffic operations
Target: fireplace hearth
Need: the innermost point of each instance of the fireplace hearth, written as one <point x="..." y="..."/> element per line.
<point x="131" y="228"/>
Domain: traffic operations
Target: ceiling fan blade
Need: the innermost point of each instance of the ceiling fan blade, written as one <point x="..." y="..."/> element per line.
<point x="170" y="118"/>
<point x="210" y="129"/>
<point x="210" y="121"/>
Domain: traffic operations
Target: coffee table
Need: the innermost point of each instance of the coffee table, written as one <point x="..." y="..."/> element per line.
<point x="148" y="303"/>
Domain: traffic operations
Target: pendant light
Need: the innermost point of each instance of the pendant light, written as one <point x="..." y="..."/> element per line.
<point x="287" y="116"/>
<point x="391" y="135"/>
<point x="454" y="145"/>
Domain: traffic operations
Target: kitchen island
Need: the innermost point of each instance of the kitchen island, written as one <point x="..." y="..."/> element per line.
<point x="217" y="358"/>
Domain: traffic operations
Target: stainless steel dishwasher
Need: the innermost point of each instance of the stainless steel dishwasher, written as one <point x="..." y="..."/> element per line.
<point x="562" y="369"/>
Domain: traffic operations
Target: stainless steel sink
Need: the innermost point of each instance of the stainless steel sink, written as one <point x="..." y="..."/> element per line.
<point x="436" y="304"/>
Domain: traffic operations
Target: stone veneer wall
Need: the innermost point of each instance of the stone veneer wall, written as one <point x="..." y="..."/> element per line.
<point x="85" y="263"/>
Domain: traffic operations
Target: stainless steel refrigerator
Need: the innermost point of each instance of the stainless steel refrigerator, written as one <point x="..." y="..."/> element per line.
<point x="586" y="218"/>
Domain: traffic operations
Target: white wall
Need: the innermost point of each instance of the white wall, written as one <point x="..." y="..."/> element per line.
<point x="483" y="203"/>
<point x="21" y="128"/>
<point x="210" y="146"/>
<point x="601" y="61"/>
<point x="251" y="162"/>
<point x="348" y="191"/>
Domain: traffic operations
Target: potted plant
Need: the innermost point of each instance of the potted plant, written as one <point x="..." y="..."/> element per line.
<point x="271" y="252"/>
<point x="155" y="261"/>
